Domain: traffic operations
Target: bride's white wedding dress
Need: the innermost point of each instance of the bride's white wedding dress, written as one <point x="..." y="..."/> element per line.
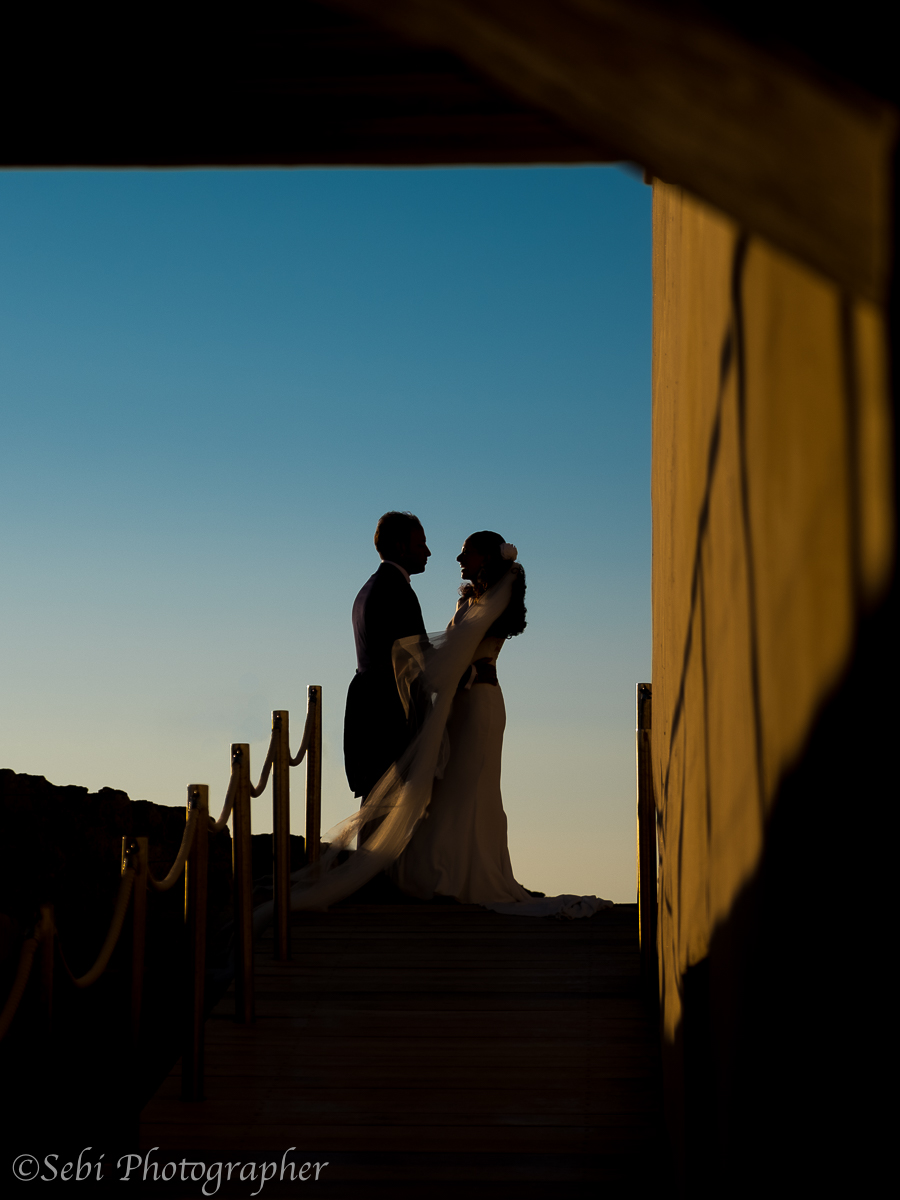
<point x="437" y="814"/>
<point x="460" y="848"/>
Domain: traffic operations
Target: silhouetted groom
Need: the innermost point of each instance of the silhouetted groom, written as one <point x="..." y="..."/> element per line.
<point x="376" y="730"/>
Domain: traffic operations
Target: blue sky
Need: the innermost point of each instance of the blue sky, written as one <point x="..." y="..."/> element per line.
<point x="214" y="382"/>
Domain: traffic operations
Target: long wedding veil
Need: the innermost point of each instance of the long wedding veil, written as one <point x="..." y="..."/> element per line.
<point x="428" y="670"/>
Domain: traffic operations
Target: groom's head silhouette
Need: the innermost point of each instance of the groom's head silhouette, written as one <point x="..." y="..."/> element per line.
<point x="400" y="538"/>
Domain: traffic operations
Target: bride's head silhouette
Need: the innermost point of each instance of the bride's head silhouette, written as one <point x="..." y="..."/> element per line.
<point x="485" y="558"/>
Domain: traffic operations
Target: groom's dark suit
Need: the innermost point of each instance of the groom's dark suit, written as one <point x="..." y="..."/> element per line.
<point x="376" y="730"/>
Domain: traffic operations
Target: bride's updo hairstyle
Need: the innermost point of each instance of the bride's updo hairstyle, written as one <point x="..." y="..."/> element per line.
<point x="512" y="621"/>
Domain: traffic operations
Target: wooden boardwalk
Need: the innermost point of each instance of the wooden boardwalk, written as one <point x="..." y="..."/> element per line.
<point x="435" y="1050"/>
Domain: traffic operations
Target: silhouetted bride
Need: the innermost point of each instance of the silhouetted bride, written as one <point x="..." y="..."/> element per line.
<point x="460" y="848"/>
<point x="437" y="812"/>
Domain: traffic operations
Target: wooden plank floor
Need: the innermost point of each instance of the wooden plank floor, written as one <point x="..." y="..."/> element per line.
<point x="425" y="1049"/>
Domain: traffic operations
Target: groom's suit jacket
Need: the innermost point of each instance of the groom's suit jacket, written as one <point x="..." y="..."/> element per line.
<point x="376" y="729"/>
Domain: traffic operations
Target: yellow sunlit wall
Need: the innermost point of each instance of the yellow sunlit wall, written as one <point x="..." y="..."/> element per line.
<point x="772" y="532"/>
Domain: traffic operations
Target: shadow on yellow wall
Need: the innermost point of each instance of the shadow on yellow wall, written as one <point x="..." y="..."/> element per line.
<point x="772" y="547"/>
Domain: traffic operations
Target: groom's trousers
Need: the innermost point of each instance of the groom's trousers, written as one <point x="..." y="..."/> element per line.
<point x="376" y="731"/>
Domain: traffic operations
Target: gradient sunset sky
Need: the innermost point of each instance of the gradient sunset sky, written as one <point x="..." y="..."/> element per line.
<point x="214" y="382"/>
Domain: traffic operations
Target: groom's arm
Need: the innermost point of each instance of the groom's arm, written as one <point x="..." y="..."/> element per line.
<point x="406" y="616"/>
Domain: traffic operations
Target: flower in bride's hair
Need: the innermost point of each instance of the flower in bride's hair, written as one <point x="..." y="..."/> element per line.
<point x="508" y="551"/>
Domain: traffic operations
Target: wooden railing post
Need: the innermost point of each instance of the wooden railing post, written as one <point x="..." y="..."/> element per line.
<point x="195" y="894"/>
<point x="47" y="953"/>
<point x="646" y="836"/>
<point x="135" y="854"/>
<point x="281" y="834"/>
<point x="242" y="863"/>
<point x="314" y="775"/>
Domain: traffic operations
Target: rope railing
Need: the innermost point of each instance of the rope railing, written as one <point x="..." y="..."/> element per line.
<point x="266" y="771"/>
<point x="48" y="934"/>
<point x="271" y="753"/>
<point x="112" y="937"/>
<point x="191" y="863"/>
<point x="308" y="731"/>
<point x="224" y="816"/>
<point x="23" y="971"/>
<point x="277" y="763"/>
<point x="175" y="871"/>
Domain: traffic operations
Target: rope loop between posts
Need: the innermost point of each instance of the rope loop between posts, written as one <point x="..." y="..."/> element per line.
<point x="270" y="760"/>
<point x="304" y="743"/>
<point x="187" y="840"/>
<point x="267" y="767"/>
<point x="216" y="826"/>
<point x="23" y="971"/>
<point x="112" y="937"/>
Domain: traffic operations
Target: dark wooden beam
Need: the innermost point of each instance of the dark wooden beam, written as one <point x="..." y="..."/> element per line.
<point x="268" y="83"/>
<point x="799" y="159"/>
